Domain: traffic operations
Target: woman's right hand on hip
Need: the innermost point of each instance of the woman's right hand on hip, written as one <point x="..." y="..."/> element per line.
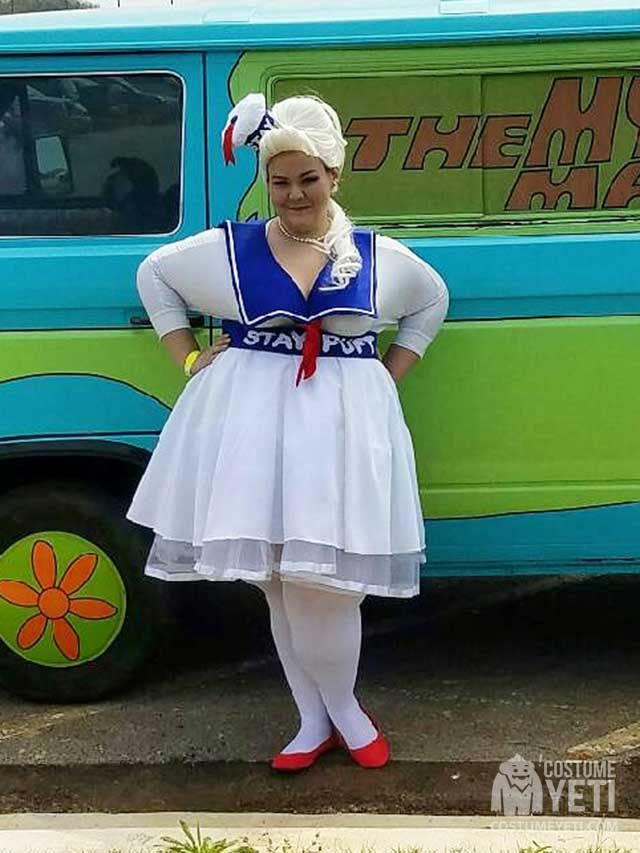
<point x="210" y="353"/>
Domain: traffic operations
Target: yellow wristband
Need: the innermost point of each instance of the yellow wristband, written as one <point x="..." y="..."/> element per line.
<point x="189" y="360"/>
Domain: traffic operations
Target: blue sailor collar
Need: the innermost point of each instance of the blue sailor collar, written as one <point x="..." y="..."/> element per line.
<point x="264" y="289"/>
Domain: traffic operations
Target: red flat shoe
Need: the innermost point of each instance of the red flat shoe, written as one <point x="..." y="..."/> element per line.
<point x="289" y="761"/>
<point x="374" y="754"/>
<point x="341" y="741"/>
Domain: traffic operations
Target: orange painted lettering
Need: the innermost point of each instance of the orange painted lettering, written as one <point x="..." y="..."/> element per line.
<point x="581" y="184"/>
<point x="563" y="114"/>
<point x="454" y="143"/>
<point x="374" y="147"/>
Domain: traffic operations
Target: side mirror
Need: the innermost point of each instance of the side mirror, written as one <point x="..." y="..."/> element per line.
<point x="53" y="167"/>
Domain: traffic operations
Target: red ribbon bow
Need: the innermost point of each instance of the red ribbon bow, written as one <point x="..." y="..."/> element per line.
<point x="310" y="350"/>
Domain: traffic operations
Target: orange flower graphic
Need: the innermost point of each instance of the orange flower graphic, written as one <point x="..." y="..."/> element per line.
<point x="54" y="601"/>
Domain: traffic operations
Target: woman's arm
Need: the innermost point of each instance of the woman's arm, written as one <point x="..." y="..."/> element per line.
<point x="166" y="307"/>
<point x="399" y="360"/>
<point x="181" y="342"/>
<point x="173" y="278"/>
<point x="420" y="303"/>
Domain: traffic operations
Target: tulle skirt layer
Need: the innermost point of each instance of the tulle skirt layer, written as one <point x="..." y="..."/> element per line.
<point x="252" y="475"/>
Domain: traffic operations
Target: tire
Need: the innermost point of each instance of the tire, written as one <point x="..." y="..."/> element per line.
<point x="47" y="526"/>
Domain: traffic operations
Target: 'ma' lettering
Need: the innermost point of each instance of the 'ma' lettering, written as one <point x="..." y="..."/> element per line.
<point x="580" y="184"/>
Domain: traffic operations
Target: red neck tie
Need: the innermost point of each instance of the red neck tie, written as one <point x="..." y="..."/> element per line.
<point x="310" y="350"/>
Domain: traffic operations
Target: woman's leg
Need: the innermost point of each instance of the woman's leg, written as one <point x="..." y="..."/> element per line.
<point x="315" y="725"/>
<point x="326" y="634"/>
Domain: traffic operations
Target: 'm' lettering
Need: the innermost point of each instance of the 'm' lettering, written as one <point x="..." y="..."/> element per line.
<point x="563" y="113"/>
<point x="633" y="110"/>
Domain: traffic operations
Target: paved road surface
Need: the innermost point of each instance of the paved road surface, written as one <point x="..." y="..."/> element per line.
<point x="461" y="678"/>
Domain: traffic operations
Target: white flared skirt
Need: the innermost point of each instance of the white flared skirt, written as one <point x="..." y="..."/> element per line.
<point x="252" y="475"/>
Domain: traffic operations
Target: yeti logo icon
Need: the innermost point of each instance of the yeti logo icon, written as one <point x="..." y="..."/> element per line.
<point x="517" y="789"/>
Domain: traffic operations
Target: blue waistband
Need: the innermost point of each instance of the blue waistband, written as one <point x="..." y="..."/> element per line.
<point x="289" y="341"/>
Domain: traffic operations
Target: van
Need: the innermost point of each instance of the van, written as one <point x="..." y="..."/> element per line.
<point x="500" y="139"/>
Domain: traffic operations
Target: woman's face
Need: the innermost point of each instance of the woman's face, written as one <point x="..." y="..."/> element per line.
<point x="300" y="188"/>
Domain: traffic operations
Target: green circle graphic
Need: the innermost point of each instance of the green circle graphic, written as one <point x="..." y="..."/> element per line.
<point x="105" y="583"/>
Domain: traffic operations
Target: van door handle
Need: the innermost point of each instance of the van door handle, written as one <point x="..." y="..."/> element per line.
<point x="197" y="321"/>
<point x="139" y="321"/>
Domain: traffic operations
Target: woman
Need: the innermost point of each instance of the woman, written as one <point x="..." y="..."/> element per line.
<point x="286" y="461"/>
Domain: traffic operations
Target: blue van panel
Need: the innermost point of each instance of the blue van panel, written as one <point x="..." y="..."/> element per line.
<point x="595" y="539"/>
<point x="64" y="405"/>
<point x="488" y="277"/>
<point x="499" y="277"/>
<point x="241" y="26"/>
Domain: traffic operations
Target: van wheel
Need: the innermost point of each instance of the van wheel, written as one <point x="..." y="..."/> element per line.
<point x="78" y="617"/>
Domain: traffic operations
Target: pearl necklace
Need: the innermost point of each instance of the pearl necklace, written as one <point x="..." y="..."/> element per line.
<point x="316" y="242"/>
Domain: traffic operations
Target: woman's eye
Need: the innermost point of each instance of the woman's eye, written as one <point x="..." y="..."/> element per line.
<point x="310" y="180"/>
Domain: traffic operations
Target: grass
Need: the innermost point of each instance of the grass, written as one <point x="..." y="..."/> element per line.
<point x="194" y="843"/>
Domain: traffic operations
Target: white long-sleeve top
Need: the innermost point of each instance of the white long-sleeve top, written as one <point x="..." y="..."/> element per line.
<point x="194" y="274"/>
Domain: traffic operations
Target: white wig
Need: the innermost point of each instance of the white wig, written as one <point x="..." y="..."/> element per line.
<point x="308" y="124"/>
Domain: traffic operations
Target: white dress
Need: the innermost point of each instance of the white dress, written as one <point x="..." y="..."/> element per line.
<point x="253" y="474"/>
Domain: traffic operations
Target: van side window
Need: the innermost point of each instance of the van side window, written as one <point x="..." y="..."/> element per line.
<point x="90" y="154"/>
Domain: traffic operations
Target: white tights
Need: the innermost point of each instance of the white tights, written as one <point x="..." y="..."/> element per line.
<point x="318" y="636"/>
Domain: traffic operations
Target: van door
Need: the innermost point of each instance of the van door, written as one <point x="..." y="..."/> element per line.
<point x="101" y="161"/>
